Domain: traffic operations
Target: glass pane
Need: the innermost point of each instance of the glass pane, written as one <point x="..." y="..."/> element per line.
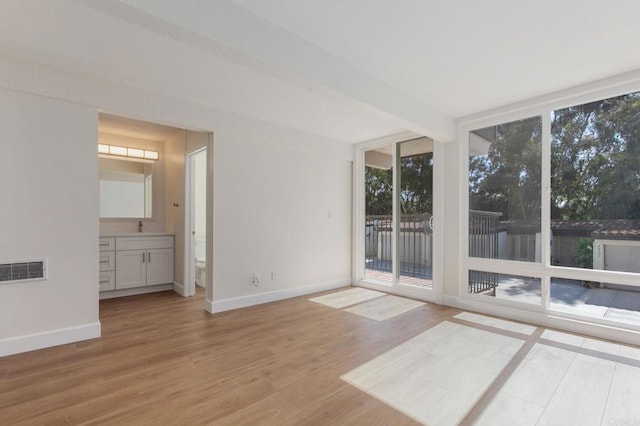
<point x="505" y="191"/>
<point x="595" y="185"/>
<point x="378" y="188"/>
<point x="597" y="300"/>
<point x="508" y="287"/>
<point x="415" y="192"/>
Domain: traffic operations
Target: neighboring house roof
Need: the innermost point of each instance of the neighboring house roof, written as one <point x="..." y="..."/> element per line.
<point x="618" y="230"/>
<point x="606" y="229"/>
<point x="577" y="228"/>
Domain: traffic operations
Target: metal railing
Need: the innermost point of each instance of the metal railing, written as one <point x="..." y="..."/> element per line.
<point x="483" y="242"/>
<point x="414" y="244"/>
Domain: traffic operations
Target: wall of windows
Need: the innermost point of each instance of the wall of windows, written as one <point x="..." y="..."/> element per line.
<point x="554" y="210"/>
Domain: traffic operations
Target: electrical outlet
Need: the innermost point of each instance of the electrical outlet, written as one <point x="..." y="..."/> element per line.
<point x="256" y="279"/>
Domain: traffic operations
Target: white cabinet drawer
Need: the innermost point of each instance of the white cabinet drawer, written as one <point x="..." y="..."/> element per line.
<point x="107" y="280"/>
<point x="107" y="244"/>
<point x="107" y="261"/>
<point x="144" y="243"/>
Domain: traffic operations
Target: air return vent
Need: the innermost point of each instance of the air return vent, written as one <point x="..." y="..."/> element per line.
<point x="22" y="271"/>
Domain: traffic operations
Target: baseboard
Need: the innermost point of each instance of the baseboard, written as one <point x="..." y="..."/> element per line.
<point x="601" y="331"/>
<point x="134" y="291"/>
<point x="272" y="296"/>
<point x="178" y="288"/>
<point x="46" y="339"/>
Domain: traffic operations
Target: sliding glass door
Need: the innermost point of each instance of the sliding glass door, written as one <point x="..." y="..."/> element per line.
<point x="398" y="214"/>
<point x="415" y="212"/>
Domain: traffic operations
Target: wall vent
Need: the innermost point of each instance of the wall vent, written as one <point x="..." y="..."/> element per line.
<point x="22" y="271"/>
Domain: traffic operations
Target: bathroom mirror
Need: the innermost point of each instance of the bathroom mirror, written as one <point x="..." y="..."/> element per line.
<point x="126" y="189"/>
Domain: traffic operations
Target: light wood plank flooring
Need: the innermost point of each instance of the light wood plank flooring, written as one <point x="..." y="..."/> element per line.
<point x="164" y="360"/>
<point x="318" y="360"/>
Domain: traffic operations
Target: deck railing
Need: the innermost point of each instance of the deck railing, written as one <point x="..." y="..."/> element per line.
<point x="483" y="243"/>
<point x="414" y="244"/>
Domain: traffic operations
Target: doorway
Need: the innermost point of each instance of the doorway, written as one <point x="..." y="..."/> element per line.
<point x="196" y="203"/>
<point x="395" y="240"/>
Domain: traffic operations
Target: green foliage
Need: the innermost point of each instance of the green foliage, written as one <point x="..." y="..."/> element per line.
<point x="595" y="164"/>
<point x="507" y="179"/>
<point x="584" y="257"/>
<point x="416" y="187"/>
<point x="416" y="184"/>
<point x="378" y="191"/>
<point x="595" y="160"/>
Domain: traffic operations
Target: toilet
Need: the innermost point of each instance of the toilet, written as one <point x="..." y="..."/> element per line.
<point x="199" y="247"/>
<point x="201" y="272"/>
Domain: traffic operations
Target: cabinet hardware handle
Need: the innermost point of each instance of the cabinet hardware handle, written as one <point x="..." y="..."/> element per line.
<point x="104" y="261"/>
<point x="144" y="258"/>
<point x="149" y="256"/>
<point x="104" y="281"/>
<point x="104" y="244"/>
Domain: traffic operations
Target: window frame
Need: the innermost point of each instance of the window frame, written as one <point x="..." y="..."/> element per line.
<point x="543" y="107"/>
<point x="358" y="222"/>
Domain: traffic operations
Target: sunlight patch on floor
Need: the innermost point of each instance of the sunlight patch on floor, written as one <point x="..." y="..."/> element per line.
<point x="367" y="303"/>
<point x="438" y="376"/>
<point x="497" y="323"/>
<point x="342" y="299"/>
<point x="384" y="308"/>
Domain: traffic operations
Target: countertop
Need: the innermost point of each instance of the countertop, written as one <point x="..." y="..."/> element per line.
<point x="136" y="234"/>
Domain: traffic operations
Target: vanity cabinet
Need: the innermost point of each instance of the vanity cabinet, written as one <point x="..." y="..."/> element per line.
<point x="107" y="275"/>
<point x="143" y="261"/>
<point x="128" y="262"/>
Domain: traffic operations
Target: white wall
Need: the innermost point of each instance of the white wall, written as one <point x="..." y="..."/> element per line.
<point x="282" y="210"/>
<point x="174" y="150"/>
<point x="450" y="219"/>
<point x="257" y="164"/>
<point x="49" y="175"/>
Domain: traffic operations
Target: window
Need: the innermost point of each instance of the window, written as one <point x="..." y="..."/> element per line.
<point x="398" y="222"/>
<point x="577" y="242"/>
<point x="505" y="190"/>
<point x="595" y="184"/>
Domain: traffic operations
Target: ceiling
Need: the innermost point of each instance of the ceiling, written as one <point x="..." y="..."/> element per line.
<point x="345" y="70"/>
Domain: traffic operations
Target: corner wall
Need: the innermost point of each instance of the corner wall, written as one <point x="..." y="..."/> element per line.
<point x="48" y="170"/>
<point x="53" y="114"/>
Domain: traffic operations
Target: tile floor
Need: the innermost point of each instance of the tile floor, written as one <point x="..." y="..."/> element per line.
<point x="476" y="369"/>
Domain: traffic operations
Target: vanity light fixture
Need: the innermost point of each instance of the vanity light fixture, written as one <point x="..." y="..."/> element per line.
<point x="123" y="151"/>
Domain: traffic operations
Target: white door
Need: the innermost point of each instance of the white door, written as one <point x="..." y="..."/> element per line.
<point x="131" y="270"/>
<point x="195" y="215"/>
<point x="159" y="266"/>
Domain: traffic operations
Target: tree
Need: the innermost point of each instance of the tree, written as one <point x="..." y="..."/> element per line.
<point x="416" y="184"/>
<point x="416" y="187"/>
<point x="595" y="161"/>
<point x="378" y="191"/>
<point x="595" y="164"/>
<point x="508" y="178"/>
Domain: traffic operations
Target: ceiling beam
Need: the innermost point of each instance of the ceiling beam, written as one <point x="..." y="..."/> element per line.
<point x="228" y="30"/>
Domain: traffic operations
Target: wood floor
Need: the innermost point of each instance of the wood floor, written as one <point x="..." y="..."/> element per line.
<point x="164" y="360"/>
